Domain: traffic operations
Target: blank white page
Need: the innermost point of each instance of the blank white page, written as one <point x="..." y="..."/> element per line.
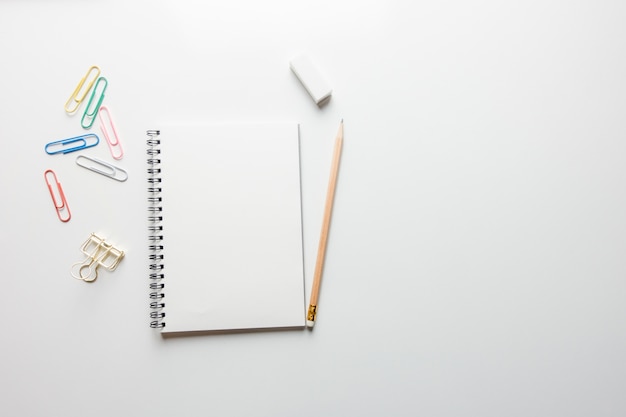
<point x="232" y="224"/>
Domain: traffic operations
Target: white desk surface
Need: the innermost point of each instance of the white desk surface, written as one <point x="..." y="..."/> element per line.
<point x="476" y="260"/>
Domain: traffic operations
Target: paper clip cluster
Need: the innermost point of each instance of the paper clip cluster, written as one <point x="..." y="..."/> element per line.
<point x="98" y="253"/>
<point x="91" y="81"/>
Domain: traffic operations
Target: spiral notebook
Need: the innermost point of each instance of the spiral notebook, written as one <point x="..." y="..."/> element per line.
<point x="225" y="227"/>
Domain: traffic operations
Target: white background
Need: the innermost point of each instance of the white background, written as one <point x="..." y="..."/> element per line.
<point x="476" y="258"/>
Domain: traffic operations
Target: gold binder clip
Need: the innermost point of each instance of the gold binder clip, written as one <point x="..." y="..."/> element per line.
<point x="72" y="103"/>
<point x="99" y="253"/>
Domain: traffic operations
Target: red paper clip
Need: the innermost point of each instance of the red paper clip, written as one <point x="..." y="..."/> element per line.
<point x="111" y="137"/>
<point x="61" y="208"/>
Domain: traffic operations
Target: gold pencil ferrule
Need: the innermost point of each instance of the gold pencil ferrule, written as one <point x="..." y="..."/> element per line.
<point x="311" y="314"/>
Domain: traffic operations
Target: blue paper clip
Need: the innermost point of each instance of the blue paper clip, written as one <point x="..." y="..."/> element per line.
<point x="90" y="114"/>
<point x="82" y="142"/>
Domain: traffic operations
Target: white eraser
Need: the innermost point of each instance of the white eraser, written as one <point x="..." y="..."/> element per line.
<point x="311" y="79"/>
<point x="310" y="323"/>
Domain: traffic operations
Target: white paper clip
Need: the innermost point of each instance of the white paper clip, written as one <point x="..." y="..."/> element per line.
<point x="101" y="167"/>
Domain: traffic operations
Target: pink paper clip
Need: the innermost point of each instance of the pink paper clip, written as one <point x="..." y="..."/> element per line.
<point x="63" y="210"/>
<point x="112" y="139"/>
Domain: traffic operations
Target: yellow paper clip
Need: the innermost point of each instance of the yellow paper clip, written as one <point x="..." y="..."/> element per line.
<point x="99" y="253"/>
<point x="72" y="103"/>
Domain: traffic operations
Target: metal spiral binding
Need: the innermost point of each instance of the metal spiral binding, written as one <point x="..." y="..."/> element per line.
<point x="155" y="228"/>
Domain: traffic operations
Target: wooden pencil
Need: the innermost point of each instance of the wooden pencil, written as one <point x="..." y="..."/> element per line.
<point x="321" y="250"/>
